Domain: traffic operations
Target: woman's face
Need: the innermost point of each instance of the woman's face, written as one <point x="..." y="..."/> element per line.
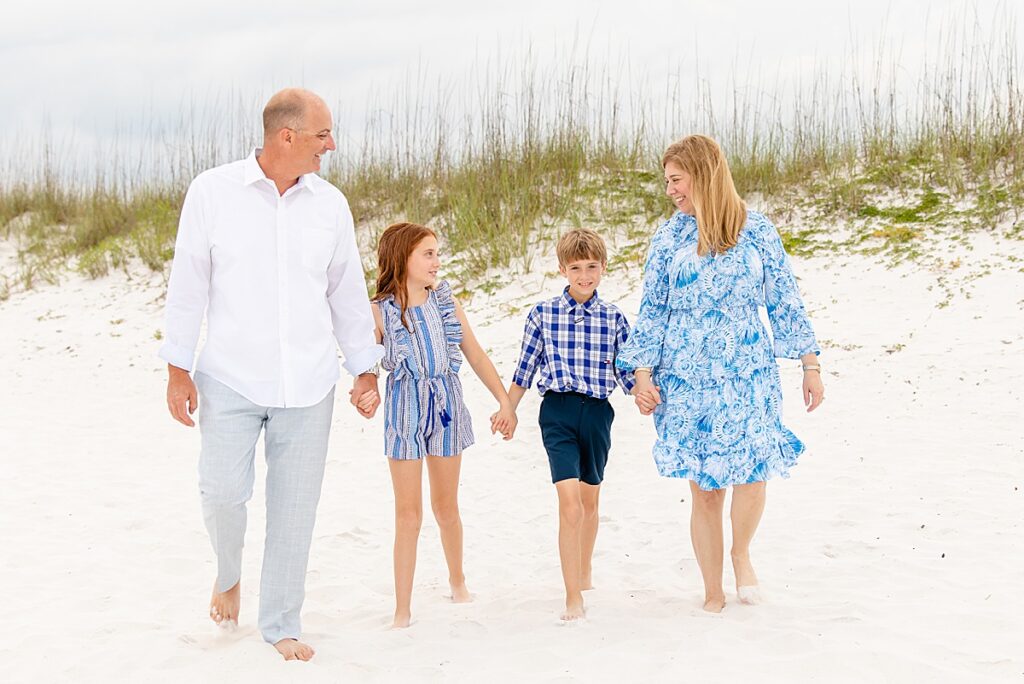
<point x="423" y="264"/>
<point x="678" y="187"/>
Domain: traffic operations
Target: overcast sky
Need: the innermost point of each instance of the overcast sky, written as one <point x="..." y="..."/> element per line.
<point x="90" y="69"/>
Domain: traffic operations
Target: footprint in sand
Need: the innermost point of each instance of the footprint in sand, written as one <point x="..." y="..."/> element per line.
<point x="468" y="629"/>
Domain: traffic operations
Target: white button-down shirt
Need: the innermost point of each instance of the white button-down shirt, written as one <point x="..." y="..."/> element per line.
<point x="280" y="280"/>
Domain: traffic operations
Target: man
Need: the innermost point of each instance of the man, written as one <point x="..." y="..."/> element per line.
<point x="267" y="249"/>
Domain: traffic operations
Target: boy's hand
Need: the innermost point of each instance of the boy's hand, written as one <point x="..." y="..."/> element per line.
<point x="647" y="396"/>
<point x="505" y="422"/>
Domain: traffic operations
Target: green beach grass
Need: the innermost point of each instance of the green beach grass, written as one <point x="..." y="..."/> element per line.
<point x="541" y="151"/>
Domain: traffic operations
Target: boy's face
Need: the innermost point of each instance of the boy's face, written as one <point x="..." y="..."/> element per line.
<point x="584" y="276"/>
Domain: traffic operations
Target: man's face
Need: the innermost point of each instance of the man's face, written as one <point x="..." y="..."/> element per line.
<point x="312" y="140"/>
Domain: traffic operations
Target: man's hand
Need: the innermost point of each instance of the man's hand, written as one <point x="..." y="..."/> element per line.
<point x="182" y="397"/>
<point x="363" y="394"/>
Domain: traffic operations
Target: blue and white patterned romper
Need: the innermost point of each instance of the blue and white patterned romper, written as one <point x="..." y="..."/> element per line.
<point x="424" y="413"/>
<point x="719" y="422"/>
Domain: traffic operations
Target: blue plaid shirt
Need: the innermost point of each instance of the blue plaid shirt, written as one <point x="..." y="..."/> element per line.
<point x="573" y="346"/>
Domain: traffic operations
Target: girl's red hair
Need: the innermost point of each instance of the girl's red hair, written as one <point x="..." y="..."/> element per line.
<point x="394" y="247"/>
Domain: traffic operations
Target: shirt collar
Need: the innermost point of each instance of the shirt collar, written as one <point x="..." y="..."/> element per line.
<point x="571" y="304"/>
<point x="254" y="173"/>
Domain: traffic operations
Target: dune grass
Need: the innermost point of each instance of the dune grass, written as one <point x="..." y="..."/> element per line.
<point x="522" y="153"/>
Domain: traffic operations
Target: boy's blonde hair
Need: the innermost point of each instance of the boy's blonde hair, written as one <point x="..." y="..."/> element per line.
<point x="581" y="244"/>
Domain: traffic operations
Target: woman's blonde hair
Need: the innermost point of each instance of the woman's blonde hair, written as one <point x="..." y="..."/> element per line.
<point x="721" y="212"/>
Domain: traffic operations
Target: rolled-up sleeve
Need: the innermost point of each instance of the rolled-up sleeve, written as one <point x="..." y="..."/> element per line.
<point x="188" y="290"/>
<point x="532" y="352"/>
<point x="351" y="316"/>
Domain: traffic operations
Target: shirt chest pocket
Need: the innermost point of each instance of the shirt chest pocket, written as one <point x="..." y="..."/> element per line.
<point x="317" y="249"/>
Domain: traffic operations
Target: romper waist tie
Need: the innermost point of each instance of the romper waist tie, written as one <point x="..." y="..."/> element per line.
<point x="437" y="403"/>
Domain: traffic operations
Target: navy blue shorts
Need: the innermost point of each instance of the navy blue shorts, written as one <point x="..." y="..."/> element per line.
<point x="577" y="433"/>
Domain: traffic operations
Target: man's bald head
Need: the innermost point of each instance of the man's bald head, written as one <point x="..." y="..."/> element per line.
<point x="288" y="108"/>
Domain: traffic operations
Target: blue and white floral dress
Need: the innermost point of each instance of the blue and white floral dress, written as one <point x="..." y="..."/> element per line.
<point x="424" y="411"/>
<point x="699" y="330"/>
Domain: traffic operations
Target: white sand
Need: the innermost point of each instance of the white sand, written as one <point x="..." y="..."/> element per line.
<point x="894" y="553"/>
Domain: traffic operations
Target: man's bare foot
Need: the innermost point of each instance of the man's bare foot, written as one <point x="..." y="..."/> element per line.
<point x="293" y="649"/>
<point x="574" y="609"/>
<point x="224" y="605"/>
<point x="460" y="594"/>
<point x="402" y="620"/>
<point x="746" y="579"/>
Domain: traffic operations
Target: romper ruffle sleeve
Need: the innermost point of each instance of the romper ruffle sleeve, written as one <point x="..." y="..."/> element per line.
<point x="452" y="325"/>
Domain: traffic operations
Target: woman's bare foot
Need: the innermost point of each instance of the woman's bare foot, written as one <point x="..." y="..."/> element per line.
<point x="716" y="604"/>
<point x="224" y="605"/>
<point x="293" y="649"/>
<point x="746" y="579"/>
<point x="460" y="594"/>
<point x="574" y="609"/>
<point x="402" y="620"/>
<point x="586" y="582"/>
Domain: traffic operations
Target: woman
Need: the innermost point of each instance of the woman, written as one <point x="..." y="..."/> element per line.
<point x="704" y="364"/>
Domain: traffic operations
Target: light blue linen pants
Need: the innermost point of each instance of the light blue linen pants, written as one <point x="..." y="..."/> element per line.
<point x="296" y="451"/>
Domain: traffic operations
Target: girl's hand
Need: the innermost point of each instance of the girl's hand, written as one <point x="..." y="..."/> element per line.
<point x="366" y="402"/>
<point x="814" y="390"/>
<point x="646" y="395"/>
<point x="505" y="422"/>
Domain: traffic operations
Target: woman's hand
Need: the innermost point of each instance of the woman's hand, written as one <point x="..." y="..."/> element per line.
<point x="646" y="394"/>
<point x="814" y="389"/>
<point x="505" y="422"/>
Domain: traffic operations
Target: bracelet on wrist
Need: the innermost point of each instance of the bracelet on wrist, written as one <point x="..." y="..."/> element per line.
<point x="812" y="368"/>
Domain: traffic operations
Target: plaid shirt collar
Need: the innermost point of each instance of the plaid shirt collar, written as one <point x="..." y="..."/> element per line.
<point x="578" y="309"/>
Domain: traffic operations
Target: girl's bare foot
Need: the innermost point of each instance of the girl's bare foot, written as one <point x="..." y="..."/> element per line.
<point x="714" y="604"/>
<point x="293" y="649"/>
<point x="574" y="609"/>
<point x="402" y="620"/>
<point x="746" y="579"/>
<point x="224" y="605"/>
<point x="460" y="594"/>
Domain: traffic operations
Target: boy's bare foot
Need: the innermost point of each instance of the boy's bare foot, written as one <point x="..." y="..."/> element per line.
<point x="224" y="605"/>
<point x="460" y="594"/>
<point x="714" y="604"/>
<point x="292" y="649"/>
<point x="746" y="579"/>
<point x="574" y="609"/>
<point x="401" y="621"/>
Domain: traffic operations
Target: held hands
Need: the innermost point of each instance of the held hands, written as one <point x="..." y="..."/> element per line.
<point x="182" y="397"/>
<point x="646" y="395"/>
<point x="814" y="390"/>
<point x="505" y="422"/>
<point x="364" y="396"/>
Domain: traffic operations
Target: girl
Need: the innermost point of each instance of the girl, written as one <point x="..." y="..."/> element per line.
<point x="425" y="336"/>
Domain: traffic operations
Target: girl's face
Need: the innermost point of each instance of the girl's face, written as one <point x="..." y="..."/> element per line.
<point x="678" y="185"/>
<point x="424" y="262"/>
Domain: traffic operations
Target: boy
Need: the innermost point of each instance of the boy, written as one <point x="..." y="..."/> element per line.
<point x="572" y="340"/>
